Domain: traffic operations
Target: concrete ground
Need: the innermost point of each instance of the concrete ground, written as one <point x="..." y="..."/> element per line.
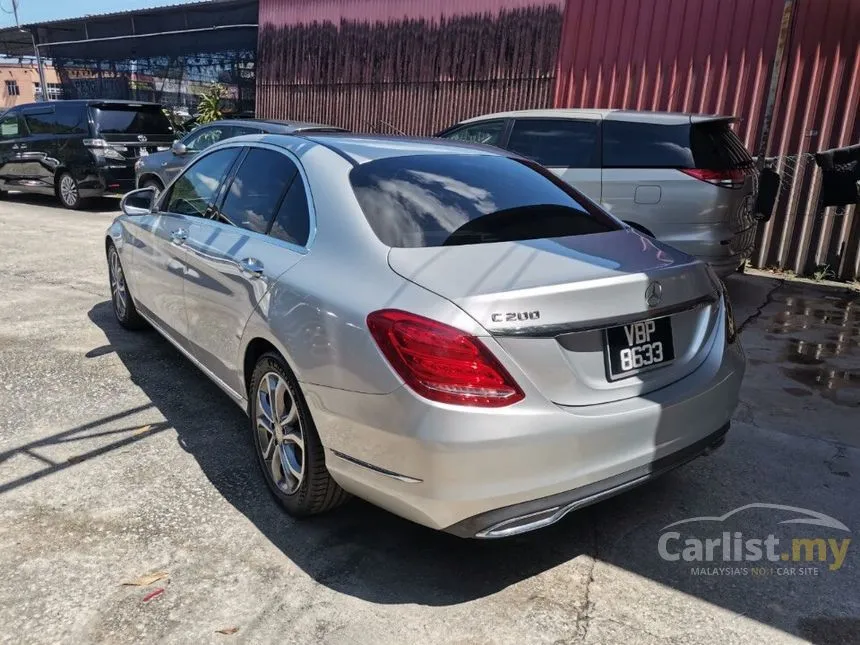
<point x="118" y="459"/>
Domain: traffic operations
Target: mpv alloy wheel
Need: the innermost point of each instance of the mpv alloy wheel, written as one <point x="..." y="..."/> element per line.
<point x="287" y="445"/>
<point x="68" y="190"/>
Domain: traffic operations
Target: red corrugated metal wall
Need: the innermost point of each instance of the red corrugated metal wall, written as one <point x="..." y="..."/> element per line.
<point x="401" y="65"/>
<point x="715" y="56"/>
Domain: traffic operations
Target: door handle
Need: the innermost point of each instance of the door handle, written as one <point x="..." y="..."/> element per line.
<point x="252" y="267"/>
<point x="179" y="236"/>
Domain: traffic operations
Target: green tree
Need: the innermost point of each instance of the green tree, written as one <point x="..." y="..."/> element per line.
<point x="209" y="107"/>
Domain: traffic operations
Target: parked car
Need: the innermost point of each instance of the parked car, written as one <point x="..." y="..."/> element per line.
<point x="158" y="170"/>
<point x="448" y="331"/>
<point x="685" y="179"/>
<point x="78" y="149"/>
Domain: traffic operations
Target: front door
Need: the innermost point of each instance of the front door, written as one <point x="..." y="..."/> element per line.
<point x="160" y="256"/>
<point x="235" y="256"/>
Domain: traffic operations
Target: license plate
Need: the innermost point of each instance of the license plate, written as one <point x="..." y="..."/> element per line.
<point x="144" y="152"/>
<point x="638" y="347"/>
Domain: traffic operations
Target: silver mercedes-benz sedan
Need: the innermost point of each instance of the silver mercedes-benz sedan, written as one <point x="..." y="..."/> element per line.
<point x="448" y="331"/>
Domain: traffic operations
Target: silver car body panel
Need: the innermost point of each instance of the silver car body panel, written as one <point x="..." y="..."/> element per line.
<point x="713" y="223"/>
<point x="434" y="463"/>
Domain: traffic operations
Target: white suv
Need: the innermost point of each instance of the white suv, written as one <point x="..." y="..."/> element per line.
<point x="685" y="179"/>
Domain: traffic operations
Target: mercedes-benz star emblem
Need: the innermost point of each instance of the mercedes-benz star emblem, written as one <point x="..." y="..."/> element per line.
<point x="141" y="138"/>
<point x="654" y="294"/>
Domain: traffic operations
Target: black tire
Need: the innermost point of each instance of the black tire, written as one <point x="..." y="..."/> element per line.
<point x="152" y="182"/>
<point x="123" y="305"/>
<point x="316" y="492"/>
<point x="68" y="192"/>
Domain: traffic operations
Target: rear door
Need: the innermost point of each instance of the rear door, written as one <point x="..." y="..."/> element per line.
<point x="132" y="129"/>
<point x="160" y="267"/>
<point x="39" y="160"/>
<point x="259" y="230"/>
<point x="568" y="147"/>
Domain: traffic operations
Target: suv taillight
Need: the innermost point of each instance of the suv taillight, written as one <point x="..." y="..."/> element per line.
<point x="442" y="363"/>
<point x="725" y="178"/>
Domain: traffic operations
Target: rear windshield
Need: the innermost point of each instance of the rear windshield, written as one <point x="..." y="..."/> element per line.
<point x="127" y="119"/>
<point x="710" y="145"/>
<point x="442" y="200"/>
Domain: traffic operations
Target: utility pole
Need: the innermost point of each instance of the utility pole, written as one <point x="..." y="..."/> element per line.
<point x="39" y="64"/>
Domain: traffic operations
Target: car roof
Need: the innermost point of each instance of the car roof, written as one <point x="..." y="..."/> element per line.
<point x="362" y="148"/>
<point x="277" y="126"/>
<point x="638" y="116"/>
<point x="89" y="102"/>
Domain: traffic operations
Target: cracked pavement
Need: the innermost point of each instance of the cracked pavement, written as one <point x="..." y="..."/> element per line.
<point x="119" y="459"/>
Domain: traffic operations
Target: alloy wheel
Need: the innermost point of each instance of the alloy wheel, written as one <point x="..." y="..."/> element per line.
<point x="280" y="438"/>
<point x="68" y="190"/>
<point x="118" y="289"/>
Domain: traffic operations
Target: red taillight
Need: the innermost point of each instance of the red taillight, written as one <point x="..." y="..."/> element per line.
<point x="727" y="178"/>
<point x="442" y="363"/>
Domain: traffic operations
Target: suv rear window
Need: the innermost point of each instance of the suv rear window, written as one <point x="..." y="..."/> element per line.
<point x="442" y="200"/>
<point x="711" y="145"/>
<point x="131" y="119"/>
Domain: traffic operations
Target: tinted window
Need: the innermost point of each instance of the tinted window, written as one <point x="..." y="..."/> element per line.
<point x="488" y="132"/>
<point x="293" y="222"/>
<point x="717" y="147"/>
<point x="41" y="123"/>
<point x="556" y="142"/>
<point x="11" y="127"/>
<point x="122" y="119"/>
<point x="436" y="200"/>
<point x="257" y="189"/>
<point x="195" y="189"/>
<point x="646" y="145"/>
<point x="71" y="119"/>
<point x="202" y="138"/>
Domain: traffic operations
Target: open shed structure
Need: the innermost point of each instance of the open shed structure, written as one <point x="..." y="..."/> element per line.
<point x="167" y="54"/>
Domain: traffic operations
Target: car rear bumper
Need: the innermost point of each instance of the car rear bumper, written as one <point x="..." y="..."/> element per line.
<point x="539" y="513"/>
<point x="467" y="470"/>
<point x="717" y="245"/>
<point x="108" y="180"/>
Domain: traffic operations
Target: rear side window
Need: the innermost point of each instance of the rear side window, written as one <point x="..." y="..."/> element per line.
<point x="195" y="189"/>
<point x="646" y="145"/>
<point x="131" y="119"/>
<point x="487" y="132"/>
<point x="439" y="200"/>
<point x="716" y="147"/>
<point x="257" y="190"/>
<point x="293" y="221"/>
<point x="70" y="119"/>
<point x="41" y="122"/>
<point x="556" y="142"/>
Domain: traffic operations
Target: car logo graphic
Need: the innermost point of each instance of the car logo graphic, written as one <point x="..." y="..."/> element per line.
<point x="141" y="138"/>
<point x="654" y="294"/>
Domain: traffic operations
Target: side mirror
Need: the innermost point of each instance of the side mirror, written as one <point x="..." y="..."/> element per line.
<point x="179" y="148"/>
<point x="139" y="202"/>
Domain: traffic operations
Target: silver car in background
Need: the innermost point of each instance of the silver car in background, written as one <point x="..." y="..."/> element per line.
<point x="445" y="330"/>
<point x="685" y="179"/>
<point x="159" y="169"/>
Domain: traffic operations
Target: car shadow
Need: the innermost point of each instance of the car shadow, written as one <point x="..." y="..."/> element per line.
<point x="371" y="554"/>
<point x="106" y="204"/>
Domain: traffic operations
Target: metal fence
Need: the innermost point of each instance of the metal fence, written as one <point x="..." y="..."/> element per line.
<point x="414" y="74"/>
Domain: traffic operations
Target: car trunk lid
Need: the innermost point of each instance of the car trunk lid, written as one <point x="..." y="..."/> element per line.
<point x="549" y="302"/>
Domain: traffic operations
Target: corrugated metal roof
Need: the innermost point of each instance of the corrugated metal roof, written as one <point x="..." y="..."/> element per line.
<point x="118" y="14"/>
